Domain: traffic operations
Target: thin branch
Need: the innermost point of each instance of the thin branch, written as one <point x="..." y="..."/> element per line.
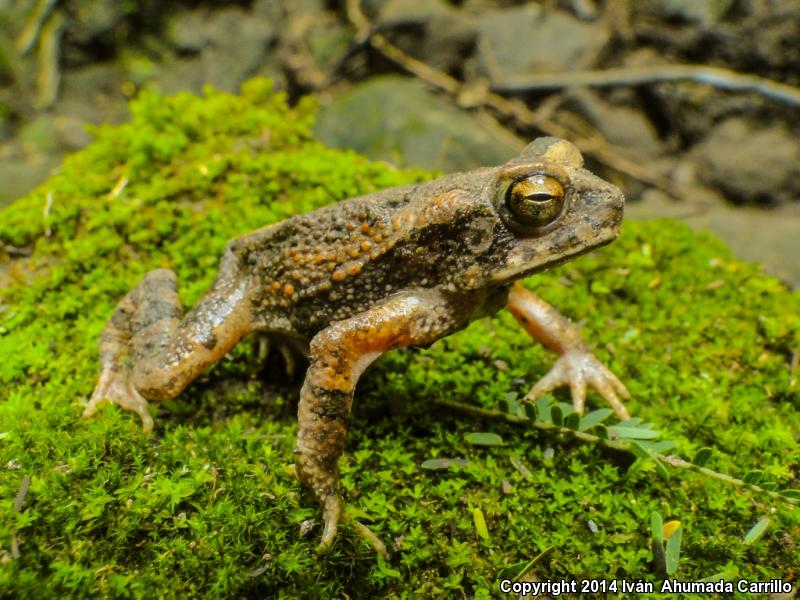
<point x="33" y="25"/>
<point x="628" y="76"/>
<point x="668" y="460"/>
<point x="49" y="69"/>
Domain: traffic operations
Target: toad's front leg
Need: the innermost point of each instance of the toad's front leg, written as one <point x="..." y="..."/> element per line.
<point x="576" y="366"/>
<point x="339" y="354"/>
<point x="147" y="352"/>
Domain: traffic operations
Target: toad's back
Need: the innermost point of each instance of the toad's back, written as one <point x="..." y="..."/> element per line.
<point x="325" y="265"/>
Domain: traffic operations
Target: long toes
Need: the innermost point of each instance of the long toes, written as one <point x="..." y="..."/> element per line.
<point x="366" y="534"/>
<point x="578" y="392"/>
<point x="551" y="381"/>
<point x="330" y="514"/>
<point x="91" y="409"/>
<point x="100" y="395"/>
<point x="579" y="370"/>
<point x="144" y="415"/>
<point x="619" y="386"/>
<point x="131" y="400"/>
<point x="606" y="391"/>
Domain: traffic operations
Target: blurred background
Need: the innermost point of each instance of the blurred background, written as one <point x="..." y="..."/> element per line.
<point x="689" y="105"/>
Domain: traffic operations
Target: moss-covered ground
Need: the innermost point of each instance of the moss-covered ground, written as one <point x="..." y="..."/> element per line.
<point x="208" y="505"/>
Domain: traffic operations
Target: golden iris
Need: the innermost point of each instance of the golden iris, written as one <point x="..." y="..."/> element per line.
<point x="535" y="201"/>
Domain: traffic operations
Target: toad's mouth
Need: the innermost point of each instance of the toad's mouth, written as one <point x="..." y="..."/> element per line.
<point x="529" y="258"/>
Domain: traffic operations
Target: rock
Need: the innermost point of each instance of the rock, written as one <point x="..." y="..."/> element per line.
<point x="754" y="36"/>
<point x="187" y="30"/>
<point x="19" y="176"/>
<point x="93" y="29"/>
<point x="329" y="45"/>
<point x="397" y="119"/>
<point x="39" y="136"/>
<point x="371" y="8"/>
<point x="312" y="46"/>
<point x="270" y="10"/>
<point x="446" y="38"/>
<point x="751" y="163"/>
<point x="522" y="40"/>
<point x="93" y="20"/>
<point x="298" y="7"/>
<point x="702" y="12"/>
<point x="403" y="12"/>
<point x="181" y="74"/>
<point x="93" y="94"/>
<point x="623" y="126"/>
<point x="72" y="132"/>
<point x="229" y="44"/>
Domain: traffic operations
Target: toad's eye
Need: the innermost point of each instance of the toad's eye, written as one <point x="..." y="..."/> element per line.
<point x="535" y="201"/>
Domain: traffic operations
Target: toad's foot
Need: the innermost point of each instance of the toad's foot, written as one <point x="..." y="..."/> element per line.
<point x="332" y="513"/>
<point x="117" y="388"/>
<point x="577" y="369"/>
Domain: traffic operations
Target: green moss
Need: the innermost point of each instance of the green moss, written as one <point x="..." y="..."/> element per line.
<point x="209" y="504"/>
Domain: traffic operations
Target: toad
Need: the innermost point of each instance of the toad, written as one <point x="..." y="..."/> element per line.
<point x="397" y="268"/>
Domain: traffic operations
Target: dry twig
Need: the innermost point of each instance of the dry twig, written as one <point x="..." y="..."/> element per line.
<point x="49" y="71"/>
<point x="629" y="76"/>
<point x="33" y="25"/>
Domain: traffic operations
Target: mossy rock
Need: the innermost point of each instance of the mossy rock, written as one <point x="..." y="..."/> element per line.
<point x="209" y="505"/>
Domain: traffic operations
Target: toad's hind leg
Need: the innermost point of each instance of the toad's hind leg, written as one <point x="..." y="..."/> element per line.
<point x="147" y="352"/>
<point x="339" y="354"/>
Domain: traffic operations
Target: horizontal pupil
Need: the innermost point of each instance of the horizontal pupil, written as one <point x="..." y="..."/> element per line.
<point x="539" y="197"/>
